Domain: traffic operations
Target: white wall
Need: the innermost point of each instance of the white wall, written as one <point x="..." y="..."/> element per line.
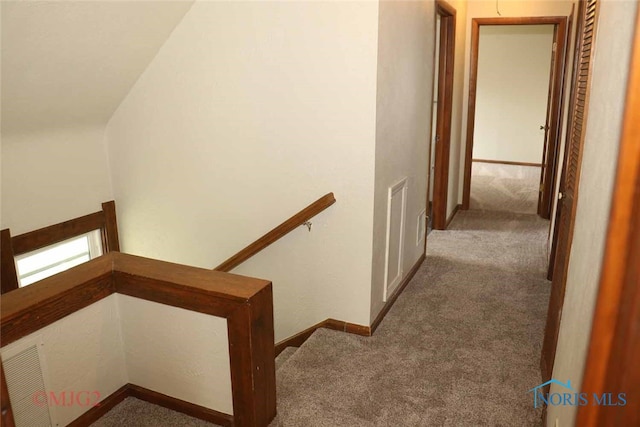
<point x="83" y="352"/>
<point x="606" y="108"/>
<point x="405" y="77"/>
<point x="511" y="96"/>
<point x="248" y="113"/>
<point x="66" y="63"/>
<point x="177" y="352"/>
<point x="487" y="9"/>
<point x="120" y="340"/>
<point x="52" y="176"/>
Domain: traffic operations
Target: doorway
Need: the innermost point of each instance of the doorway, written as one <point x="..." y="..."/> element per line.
<point x="441" y="122"/>
<point x="513" y="160"/>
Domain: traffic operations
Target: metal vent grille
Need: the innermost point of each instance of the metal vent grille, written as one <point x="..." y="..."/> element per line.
<point x="26" y="386"/>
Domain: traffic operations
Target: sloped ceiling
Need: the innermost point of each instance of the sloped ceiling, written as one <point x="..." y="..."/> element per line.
<point x="69" y="63"/>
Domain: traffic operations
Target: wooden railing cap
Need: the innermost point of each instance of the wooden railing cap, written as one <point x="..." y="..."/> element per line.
<point x="33" y="307"/>
<point x="224" y="285"/>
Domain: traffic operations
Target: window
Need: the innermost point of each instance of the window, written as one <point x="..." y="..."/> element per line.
<point x="45" y="262"/>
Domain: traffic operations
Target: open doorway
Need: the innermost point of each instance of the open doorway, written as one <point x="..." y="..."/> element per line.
<point x="441" y="120"/>
<point x="513" y="126"/>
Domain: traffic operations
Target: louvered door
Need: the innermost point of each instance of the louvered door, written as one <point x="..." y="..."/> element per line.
<point x="585" y="41"/>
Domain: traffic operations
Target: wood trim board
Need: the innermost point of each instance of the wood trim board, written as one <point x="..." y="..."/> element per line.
<point x="551" y="149"/>
<point x="178" y="405"/>
<point x="391" y="300"/>
<point x="8" y="274"/>
<point x="56" y="233"/>
<point x="547" y="198"/>
<point x="105" y="405"/>
<point x="110" y="239"/>
<point x="446" y="64"/>
<point x="569" y="130"/>
<point x="132" y="390"/>
<point x="337" y="325"/>
<point x="506" y="162"/>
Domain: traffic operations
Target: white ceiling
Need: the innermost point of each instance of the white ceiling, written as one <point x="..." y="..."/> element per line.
<point x="68" y="63"/>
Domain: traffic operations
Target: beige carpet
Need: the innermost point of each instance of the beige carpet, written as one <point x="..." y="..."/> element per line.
<point x="499" y="187"/>
<point x="133" y="412"/>
<point x="460" y="347"/>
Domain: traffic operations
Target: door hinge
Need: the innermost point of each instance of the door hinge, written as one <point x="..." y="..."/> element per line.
<point x="541" y="187"/>
<point x="554" y="47"/>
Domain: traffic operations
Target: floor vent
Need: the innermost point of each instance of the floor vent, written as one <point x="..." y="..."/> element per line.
<point x="25" y="381"/>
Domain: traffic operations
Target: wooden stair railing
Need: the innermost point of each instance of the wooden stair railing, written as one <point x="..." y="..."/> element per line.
<point x="283" y="229"/>
<point x="246" y="303"/>
<point x="11" y="246"/>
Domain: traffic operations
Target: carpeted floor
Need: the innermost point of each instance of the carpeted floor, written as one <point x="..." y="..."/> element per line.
<point x="500" y="187"/>
<point x="133" y="412"/>
<point x="460" y="347"/>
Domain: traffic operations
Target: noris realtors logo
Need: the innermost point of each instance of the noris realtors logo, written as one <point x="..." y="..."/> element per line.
<point x="569" y="397"/>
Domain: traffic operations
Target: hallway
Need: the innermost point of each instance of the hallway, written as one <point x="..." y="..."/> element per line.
<point x="461" y="346"/>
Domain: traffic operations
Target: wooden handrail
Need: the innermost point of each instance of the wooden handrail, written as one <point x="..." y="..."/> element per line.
<point x="286" y="227"/>
<point x="246" y="303"/>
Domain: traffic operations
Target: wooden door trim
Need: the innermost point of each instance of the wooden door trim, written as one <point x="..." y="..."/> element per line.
<point x="445" y="105"/>
<point x="552" y="85"/>
<point x="556" y="229"/>
<point x="614" y="349"/>
<point x="581" y="85"/>
<point x="549" y="192"/>
<point x="561" y="25"/>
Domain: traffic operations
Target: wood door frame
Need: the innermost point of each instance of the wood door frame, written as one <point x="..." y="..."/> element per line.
<point x="585" y="39"/>
<point x="556" y="229"/>
<point x="551" y="152"/>
<point x="614" y="350"/>
<point x="446" y="55"/>
<point x="552" y="85"/>
<point x="547" y="196"/>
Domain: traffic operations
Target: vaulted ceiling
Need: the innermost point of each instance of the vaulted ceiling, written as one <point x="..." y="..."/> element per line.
<point x="69" y="63"/>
